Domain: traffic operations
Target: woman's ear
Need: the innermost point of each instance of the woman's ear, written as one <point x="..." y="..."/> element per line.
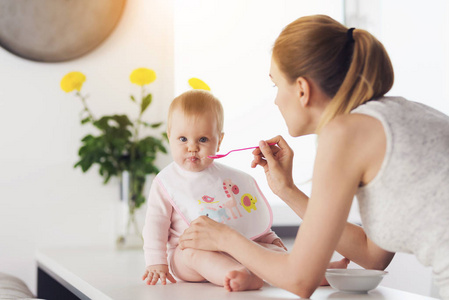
<point x="303" y="87"/>
<point x="219" y="141"/>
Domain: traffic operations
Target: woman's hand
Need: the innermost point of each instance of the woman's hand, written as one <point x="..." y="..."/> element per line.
<point x="204" y="234"/>
<point x="277" y="161"/>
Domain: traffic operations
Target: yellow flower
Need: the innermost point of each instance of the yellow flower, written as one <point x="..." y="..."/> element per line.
<point x="142" y="76"/>
<point x="72" y="81"/>
<point x="198" y="84"/>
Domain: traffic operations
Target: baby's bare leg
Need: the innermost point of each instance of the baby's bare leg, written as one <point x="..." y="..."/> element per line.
<point x="198" y="265"/>
<point x="181" y="268"/>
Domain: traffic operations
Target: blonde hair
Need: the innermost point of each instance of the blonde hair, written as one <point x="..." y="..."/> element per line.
<point x="195" y="103"/>
<point x="350" y="71"/>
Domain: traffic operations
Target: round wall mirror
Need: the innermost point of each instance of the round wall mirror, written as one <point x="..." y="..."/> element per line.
<point x="56" y="30"/>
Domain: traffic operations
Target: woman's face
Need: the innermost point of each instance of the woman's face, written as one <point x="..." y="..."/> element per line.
<point x="288" y="102"/>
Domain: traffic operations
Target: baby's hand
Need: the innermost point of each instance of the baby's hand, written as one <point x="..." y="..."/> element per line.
<point x="155" y="272"/>
<point x="278" y="242"/>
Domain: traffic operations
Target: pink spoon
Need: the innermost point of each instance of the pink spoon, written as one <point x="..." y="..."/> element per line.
<point x="223" y="155"/>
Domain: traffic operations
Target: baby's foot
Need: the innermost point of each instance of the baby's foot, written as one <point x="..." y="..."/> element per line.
<point x="242" y="280"/>
<point x="341" y="264"/>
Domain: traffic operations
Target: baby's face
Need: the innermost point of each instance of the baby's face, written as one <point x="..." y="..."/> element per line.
<point x="192" y="139"/>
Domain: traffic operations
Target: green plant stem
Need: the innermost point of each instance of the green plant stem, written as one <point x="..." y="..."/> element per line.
<point x="133" y="190"/>
<point x="139" y="119"/>
<point x="86" y="108"/>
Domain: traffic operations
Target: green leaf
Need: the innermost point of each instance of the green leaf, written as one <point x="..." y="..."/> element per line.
<point x="156" y="125"/>
<point x="153" y="125"/>
<point x="146" y="101"/>
<point x="162" y="148"/>
<point x="86" y="120"/>
<point x="87" y="138"/>
<point x="144" y="123"/>
<point x="116" y="125"/>
<point x="102" y="123"/>
<point x="132" y="98"/>
<point x="140" y="199"/>
<point x="164" y="134"/>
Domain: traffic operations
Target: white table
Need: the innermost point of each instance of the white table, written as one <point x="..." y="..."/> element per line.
<point x="104" y="273"/>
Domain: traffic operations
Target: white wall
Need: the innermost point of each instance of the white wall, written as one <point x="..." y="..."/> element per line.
<point x="43" y="200"/>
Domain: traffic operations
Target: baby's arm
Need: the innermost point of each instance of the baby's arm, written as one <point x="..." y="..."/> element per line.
<point x="155" y="272"/>
<point x="155" y="234"/>
<point x="271" y="238"/>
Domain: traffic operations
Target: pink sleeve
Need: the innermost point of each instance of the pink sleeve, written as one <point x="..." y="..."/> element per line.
<point x="157" y="225"/>
<point x="267" y="238"/>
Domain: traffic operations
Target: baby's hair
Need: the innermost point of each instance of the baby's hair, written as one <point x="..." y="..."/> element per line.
<point x="195" y="103"/>
<point x="350" y="67"/>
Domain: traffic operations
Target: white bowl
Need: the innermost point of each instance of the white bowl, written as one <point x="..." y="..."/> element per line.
<point x="354" y="280"/>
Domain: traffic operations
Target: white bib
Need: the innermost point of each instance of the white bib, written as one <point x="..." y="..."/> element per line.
<point x="224" y="194"/>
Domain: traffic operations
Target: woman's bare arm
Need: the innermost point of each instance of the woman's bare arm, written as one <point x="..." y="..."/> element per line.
<point x="366" y="254"/>
<point x="353" y="244"/>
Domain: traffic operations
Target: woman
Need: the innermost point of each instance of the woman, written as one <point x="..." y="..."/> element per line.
<point x="390" y="152"/>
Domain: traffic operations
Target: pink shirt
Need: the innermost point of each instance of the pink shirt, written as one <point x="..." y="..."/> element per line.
<point x="163" y="227"/>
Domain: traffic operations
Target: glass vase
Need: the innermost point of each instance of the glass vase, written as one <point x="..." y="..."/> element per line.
<point x="129" y="218"/>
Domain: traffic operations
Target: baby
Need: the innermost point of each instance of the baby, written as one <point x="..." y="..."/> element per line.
<point x="195" y="185"/>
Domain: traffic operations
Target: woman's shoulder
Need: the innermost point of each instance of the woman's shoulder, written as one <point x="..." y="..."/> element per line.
<point x="351" y="134"/>
<point x="357" y="139"/>
<point x="351" y="125"/>
<point x="368" y="117"/>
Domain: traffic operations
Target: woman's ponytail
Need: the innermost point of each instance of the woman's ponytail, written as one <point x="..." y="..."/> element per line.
<point x="370" y="76"/>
